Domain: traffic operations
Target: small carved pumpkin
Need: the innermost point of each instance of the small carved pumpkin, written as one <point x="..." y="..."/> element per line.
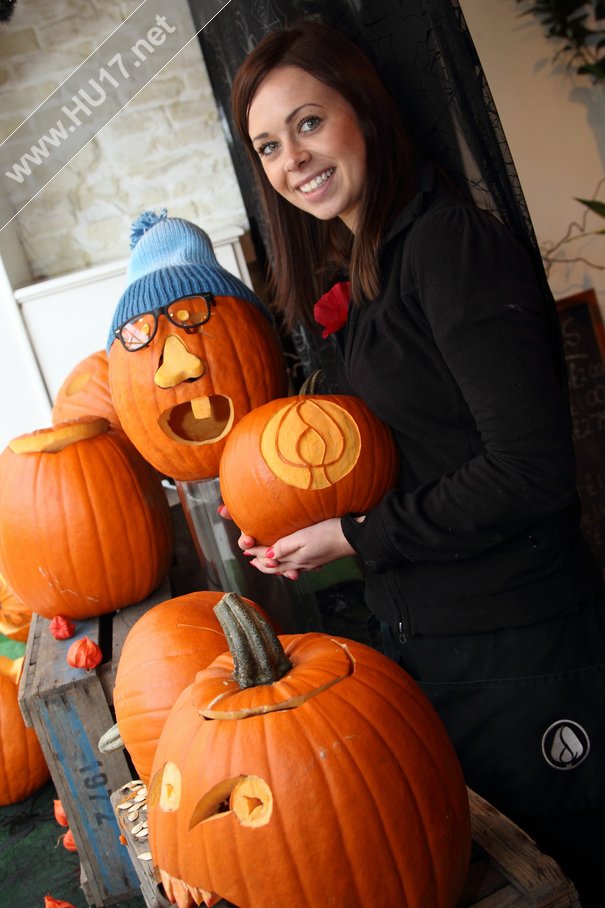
<point x="305" y="765"/>
<point x="85" y="526"/>
<point x="161" y="655"/>
<point x="179" y="397"/>
<point x="296" y="461"/>
<point x="23" y="769"/>
<point x="85" y="391"/>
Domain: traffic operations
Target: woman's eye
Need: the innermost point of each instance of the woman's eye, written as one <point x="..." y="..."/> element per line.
<point x="266" y="149"/>
<point x="309" y="123"/>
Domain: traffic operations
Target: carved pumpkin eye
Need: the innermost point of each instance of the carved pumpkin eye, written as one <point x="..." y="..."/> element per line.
<point x="249" y="798"/>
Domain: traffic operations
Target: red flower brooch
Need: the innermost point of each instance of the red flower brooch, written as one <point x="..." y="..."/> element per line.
<point x="331" y="309"/>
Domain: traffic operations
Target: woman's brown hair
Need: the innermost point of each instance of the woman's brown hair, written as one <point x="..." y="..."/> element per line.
<point x="307" y="253"/>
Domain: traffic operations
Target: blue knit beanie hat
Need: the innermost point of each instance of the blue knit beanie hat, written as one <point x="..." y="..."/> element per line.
<point x="172" y="258"/>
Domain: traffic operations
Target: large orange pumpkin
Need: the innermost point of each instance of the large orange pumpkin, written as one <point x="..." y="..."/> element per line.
<point x="85" y="525"/>
<point x="179" y="397"/>
<point x="296" y="461"/>
<point x="161" y="655"/>
<point x="85" y="391"/>
<point x="23" y="768"/>
<point x="317" y="773"/>
<point x="15" y="616"/>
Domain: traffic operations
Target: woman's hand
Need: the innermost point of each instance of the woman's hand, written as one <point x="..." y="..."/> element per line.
<point x="304" y="550"/>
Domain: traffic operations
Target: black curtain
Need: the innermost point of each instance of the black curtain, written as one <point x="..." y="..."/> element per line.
<point x="427" y="59"/>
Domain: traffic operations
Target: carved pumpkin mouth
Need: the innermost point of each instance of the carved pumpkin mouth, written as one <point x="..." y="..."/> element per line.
<point x="201" y="421"/>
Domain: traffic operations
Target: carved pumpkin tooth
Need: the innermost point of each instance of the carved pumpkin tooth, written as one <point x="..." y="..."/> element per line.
<point x="201" y="407"/>
<point x="181" y="894"/>
<point x="166" y="881"/>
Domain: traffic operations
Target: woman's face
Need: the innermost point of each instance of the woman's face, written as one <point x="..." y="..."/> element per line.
<point x="310" y="144"/>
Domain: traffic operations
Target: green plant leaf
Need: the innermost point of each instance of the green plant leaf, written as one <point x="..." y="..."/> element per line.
<point x="595" y="206"/>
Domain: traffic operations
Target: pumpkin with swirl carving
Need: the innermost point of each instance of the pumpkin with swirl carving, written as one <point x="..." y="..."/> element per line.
<point x="296" y="461"/>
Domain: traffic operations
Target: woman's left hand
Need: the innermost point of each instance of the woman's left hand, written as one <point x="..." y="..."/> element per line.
<point x="304" y="550"/>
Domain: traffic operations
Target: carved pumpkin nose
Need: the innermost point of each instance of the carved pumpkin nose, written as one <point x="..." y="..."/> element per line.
<point x="178" y="364"/>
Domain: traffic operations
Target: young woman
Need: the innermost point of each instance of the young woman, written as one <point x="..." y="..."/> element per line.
<point x="475" y="563"/>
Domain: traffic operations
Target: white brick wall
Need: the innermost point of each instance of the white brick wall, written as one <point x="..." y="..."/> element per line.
<point x="165" y="148"/>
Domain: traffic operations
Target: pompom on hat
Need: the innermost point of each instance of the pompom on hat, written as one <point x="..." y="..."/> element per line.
<point x="172" y="258"/>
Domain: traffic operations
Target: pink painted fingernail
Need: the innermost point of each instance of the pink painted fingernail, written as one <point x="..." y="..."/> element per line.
<point x="269" y="553"/>
<point x="248" y="554"/>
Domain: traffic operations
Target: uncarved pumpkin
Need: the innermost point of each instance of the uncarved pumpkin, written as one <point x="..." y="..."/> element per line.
<point x="85" y="525"/>
<point x="162" y="654"/>
<point x="15" y="616"/>
<point x="302" y="771"/>
<point x="296" y="461"/>
<point x="178" y="398"/>
<point x="85" y="391"/>
<point x="23" y="769"/>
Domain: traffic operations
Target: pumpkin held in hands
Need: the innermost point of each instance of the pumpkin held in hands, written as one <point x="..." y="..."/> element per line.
<point x="85" y="526"/>
<point x="162" y="654"/>
<point x="301" y="766"/>
<point x="296" y="461"/>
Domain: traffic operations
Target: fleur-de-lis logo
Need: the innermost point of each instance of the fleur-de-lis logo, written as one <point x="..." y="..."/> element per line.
<point x="565" y="744"/>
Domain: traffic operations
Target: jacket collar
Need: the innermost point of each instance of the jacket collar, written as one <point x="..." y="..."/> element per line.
<point x="426" y="186"/>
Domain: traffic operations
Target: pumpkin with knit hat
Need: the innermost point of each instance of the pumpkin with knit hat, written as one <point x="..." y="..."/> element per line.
<point x="191" y="349"/>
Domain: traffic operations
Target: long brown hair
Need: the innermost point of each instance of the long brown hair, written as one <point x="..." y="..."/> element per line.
<point x="307" y="253"/>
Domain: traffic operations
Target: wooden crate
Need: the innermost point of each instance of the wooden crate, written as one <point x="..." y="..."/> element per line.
<point x="506" y="870"/>
<point x="70" y="709"/>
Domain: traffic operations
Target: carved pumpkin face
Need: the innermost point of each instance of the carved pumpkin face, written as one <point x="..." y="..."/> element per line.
<point x="296" y="461"/>
<point x="337" y="776"/>
<point x="179" y="397"/>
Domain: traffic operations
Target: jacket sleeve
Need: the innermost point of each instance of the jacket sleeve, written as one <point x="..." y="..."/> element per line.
<point x="488" y="317"/>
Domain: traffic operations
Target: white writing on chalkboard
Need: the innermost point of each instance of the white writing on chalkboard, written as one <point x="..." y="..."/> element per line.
<point x="586" y="380"/>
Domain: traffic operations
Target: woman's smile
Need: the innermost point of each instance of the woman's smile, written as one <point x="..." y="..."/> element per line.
<point x="317" y="181"/>
<point x="310" y="143"/>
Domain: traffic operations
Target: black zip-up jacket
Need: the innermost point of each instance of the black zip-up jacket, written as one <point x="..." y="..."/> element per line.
<point x="457" y="355"/>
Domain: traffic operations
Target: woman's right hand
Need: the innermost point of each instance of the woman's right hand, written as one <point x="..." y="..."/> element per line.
<point x="247" y="543"/>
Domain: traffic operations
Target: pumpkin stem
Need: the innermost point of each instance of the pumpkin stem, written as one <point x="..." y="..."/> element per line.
<point x="111" y="740"/>
<point x="258" y="656"/>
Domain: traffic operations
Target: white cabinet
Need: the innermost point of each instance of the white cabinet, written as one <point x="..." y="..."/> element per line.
<point x="50" y="326"/>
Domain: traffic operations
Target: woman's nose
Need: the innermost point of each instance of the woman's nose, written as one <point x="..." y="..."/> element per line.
<point x="295" y="158"/>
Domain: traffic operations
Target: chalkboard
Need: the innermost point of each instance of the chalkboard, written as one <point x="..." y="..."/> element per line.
<point x="584" y="347"/>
